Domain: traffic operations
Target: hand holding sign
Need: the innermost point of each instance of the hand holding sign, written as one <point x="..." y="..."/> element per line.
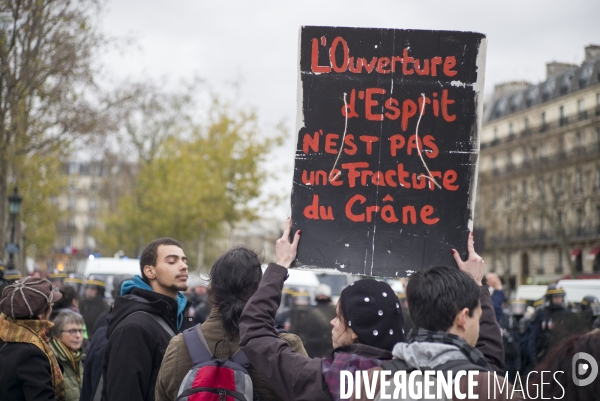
<point x="284" y="249"/>
<point x="474" y="264"/>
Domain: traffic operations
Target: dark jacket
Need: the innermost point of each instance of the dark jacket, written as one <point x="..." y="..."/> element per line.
<point x="136" y="345"/>
<point x="293" y="376"/>
<point x="25" y="373"/>
<point x="177" y="361"/>
<point x="90" y="309"/>
<point x="93" y="363"/>
<point x="296" y="377"/>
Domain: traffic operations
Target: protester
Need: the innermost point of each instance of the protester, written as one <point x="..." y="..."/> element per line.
<point x="564" y="359"/>
<point x="93" y="362"/>
<point x="28" y="368"/>
<point x="493" y="281"/>
<point x="144" y="319"/>
<point x="234" y="278"/>
<point x="368" y="324"/>
<point x="446" y="307"/>
<point x="66" y="342"/>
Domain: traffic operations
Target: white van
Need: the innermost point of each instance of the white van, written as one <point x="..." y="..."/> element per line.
<point x="107" y="268"/>
<point x="531" y="292"/>
<point x="336" y="280"/>
<point x="577" y="289"/>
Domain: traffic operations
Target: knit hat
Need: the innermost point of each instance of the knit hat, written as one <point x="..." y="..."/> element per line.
<point x="373" y="312"/>
<point x="28" y="297"/>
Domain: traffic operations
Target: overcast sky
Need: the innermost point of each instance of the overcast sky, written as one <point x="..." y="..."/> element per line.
<point x="255" y="43"/>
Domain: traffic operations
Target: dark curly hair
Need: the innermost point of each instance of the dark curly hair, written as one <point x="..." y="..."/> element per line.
<point x="234" y="278"/>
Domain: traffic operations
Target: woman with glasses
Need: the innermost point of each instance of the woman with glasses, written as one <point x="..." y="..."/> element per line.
<point x="66" y="341"/>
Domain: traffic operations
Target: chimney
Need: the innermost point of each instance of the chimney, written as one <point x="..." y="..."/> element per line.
<point x="555" y="68"/>
<point x="508" y="88"/>
<point x="592" y="51"/>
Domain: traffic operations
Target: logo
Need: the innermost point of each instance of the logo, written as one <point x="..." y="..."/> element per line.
<point x="580" y="369"/>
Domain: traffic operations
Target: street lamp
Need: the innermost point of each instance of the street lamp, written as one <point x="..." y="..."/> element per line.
<point x="14" y="207"/>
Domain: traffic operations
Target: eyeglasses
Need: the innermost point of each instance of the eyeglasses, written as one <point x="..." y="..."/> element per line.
<point x="73" y="331"/>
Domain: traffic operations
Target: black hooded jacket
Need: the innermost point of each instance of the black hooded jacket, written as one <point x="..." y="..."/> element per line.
<point x="136" y="344"/>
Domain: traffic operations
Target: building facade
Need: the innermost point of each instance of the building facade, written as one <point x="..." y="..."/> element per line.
<point x="538" y="199"/>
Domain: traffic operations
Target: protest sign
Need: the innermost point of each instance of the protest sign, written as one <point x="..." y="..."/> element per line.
<point x="387" y="150"/>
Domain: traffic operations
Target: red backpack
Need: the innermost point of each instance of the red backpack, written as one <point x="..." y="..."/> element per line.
<point x="214" y="379"/>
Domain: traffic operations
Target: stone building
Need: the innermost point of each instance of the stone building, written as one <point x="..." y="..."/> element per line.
<point x="538" y="199"/>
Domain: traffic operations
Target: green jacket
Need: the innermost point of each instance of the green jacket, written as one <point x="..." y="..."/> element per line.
<point x="73" y="381"/>
<point x="177" y="361"/>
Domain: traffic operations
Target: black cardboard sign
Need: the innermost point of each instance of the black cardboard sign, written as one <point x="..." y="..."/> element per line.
<point x="386" y="157"/>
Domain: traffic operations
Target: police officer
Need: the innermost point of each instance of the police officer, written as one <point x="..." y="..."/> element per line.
<point x="543" y="328"/>
<point x="74" y="280"/>
<point x="591" y="305"/>
<point x="56" y="277"/>
<point x="512" y="337"/>
<point x="10" y="276"/>
<point x="93" y="304"/>
<point x="314" y="325"/>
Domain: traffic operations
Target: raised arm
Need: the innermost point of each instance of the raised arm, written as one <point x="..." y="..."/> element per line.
<point x="490" y="336"/>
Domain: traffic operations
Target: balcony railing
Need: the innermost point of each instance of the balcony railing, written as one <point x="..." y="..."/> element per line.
<point x="544" y="127"/>
<point x="562" y="156"/>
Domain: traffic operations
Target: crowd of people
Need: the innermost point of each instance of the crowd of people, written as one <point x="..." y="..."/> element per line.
<point x="229" y="339"/>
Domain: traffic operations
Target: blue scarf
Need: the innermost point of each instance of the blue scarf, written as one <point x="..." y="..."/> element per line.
<point x="137" y="282"/>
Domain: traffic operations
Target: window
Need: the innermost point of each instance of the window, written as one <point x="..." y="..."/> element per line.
<point x="494" y="162"/>
<point x="495" y="133"/>
<point x="524" y="188"/>
<point x="71" y="222"/>
<point x="586" y="74"/>
<point x="91" y="222"/>
<point x="597" y="219"/>
<point x="71" y="203"/>
<point x="526" y="123"/>
<point x="543" y="118"/>
<point x="524" y="225"/>
<point x="578" y="141"/>
<point x="581" y="106"/>
<point x="542" y="225"/>
<point x="559" y="267"/>
<point x="508" y="195"/>
<point x="510" y="129"/>
<point x="578" y="181"/>
<point x="542" y="262"/>
<point x="92" y="204"/>
<point x="69" y="241"/>
<point x="597" y="178"/>
<point x="561" y="115"/>
<point x="73" y="168"/>
<point x="579" y="220"/>
<point x="541" y="190"/>
<point x="508" y="158"/>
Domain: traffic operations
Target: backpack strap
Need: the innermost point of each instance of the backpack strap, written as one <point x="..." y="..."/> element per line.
<point x="158" y="320"/>
<point x="198" y="348"/>
<point x="198" y="351"/>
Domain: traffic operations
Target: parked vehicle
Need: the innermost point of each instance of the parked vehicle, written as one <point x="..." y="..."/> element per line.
<point x="577" y="289"/>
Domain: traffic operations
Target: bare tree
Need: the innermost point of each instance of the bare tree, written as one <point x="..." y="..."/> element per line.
<point x="48" y="99"/>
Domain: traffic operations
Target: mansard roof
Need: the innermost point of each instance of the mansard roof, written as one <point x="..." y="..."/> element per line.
<point x="563" y="84"/>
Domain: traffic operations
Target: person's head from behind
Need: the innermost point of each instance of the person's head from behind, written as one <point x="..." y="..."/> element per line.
<point x="29" y="298"/>
<point x="562" y="358"/>
<point x="118" y="281"/>
<point x="69" y="299"/>
<point x="445" y="299"/>
<point x="68" y="329"/>
<point x="234" y="278"/>
<point x="323" y="294"/>
<point x="368" y="312"/>
<point x="163" y="266"/>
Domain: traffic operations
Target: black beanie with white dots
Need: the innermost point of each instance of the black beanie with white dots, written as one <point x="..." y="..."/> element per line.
<point x="374" y="313"/>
